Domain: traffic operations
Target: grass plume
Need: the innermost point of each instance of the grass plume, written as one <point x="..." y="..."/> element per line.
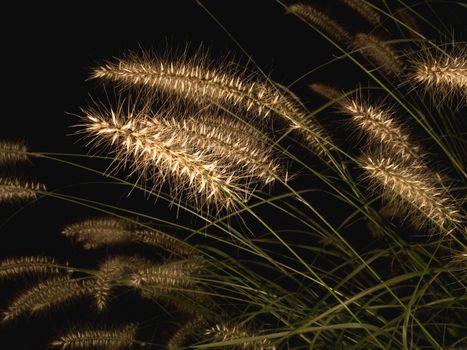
<point x="99" y="232"/>
<point x="379" y="53"/>
<point x="12" y="152"/>
<point x="95" y="233"/>
<point x="15" y="190"/>
<point x="48" y="294"/>
<point x="154" y="153"/>
<point x="225" y="333"/>
<point x="381" y="127"/>
<point x="443" y="73"/>
<point x="28" y="266"/>
<point x="364" y="10"/>
<point x="422" y="198"/>
<point x="197" y="80"/>
<point x="321" y="21"/>
<point x="121" y="338"/>
<point x="168" y="276"/>
<point x="111" y="272"/>
<point x="181" y="335"/>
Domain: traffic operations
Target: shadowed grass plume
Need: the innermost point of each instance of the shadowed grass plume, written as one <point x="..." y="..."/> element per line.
<point x="103" y="232"/>
<point x="12" y="152"/>
<point x="46" y="295"/>
<point x="181" y="335"/>
<point x="364" y="10"/>
<point x="15" y="190"/>
<point x="30" y="266"/>
<point x="168" y="276"/>
<point x="121" y="338"/>
<point x="379" y="53"/>
<point x="322" y="22"/>
<point x="111" y="272"/>
<point x="225" y="333"/>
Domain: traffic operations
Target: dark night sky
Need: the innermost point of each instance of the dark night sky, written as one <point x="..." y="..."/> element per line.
<point x="47" y="52"/>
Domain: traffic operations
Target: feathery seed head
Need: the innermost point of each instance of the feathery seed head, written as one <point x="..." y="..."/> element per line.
<point x="239" y="143"/>
<point x="111" y="272"/>
<point x="381" y="54"/>
<point x="99" y="232"/>
<point x="381" y="127"/>
<point x="421" y="197"/>
<point x="13" y="190"/>
<point x="168" y="276"/>
<point x="225" y="332"/>
<point x="404" y="15"/>
<point x="366" y="11"/>
<point x="108" y="231"/>
<point x="122" y="338"/>
<point x="12" y="152"/>
<point x="178" y="339"/>
<point x="443" y="73"/>
<point x="325" y="91"/>
<point x="30" y="266"/>
<point x="46" y="295"/>
<point x="167" y="242"/>
<point x="198" y="81"/>
<point x="321" y="21"/>
<point x="154" y="151"/>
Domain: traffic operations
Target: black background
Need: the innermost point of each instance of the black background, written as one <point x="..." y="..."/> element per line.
<point x="47" y="52"/>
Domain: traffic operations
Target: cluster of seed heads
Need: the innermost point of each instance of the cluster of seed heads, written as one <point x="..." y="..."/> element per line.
<point x="210" y="156"/>
<point x="13" y="189"/>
